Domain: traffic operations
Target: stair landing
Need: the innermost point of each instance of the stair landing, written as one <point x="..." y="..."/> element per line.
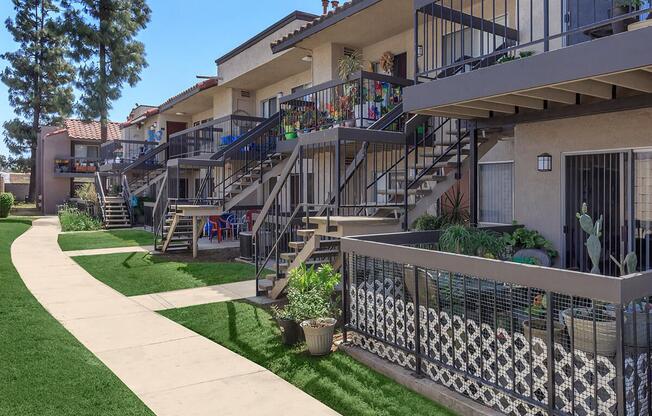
<point x="348" y="226"/>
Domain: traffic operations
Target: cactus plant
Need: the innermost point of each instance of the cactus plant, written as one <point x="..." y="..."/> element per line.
<point x="594" y="230"/>
<point x="628" y="265"/>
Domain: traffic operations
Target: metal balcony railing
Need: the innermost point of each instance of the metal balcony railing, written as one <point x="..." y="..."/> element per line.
<point x="124" y="152"/>
<point x="76" y="165"/>
<point x="454" y="36"/>
<point x="206" y="139"/>
<point x="525" y="340"/>
<point x="357" y="102"/>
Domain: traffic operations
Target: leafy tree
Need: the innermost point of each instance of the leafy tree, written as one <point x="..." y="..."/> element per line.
<point x="18" y="164"/>
<point x="102" y="35"/>
<point x="37" y="76"/>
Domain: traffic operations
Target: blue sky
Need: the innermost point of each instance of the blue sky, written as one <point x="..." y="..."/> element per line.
<point x="182" y="40"/>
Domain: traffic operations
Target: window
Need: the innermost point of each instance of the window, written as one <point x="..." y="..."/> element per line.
<point x="268" y="107"/>
<point x="86" y="152"/>
<point x="496" y="197"/>
<point x="467" y="43"/>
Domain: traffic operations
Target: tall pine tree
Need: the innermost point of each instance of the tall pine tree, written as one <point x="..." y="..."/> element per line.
<point x="102" y="35"/>
<point x="37" y="76"/>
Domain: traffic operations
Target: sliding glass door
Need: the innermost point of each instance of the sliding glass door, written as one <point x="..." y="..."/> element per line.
<point x="618" y="186"/>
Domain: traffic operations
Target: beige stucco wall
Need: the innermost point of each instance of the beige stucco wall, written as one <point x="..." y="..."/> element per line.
<point x="285" y="87"/>
<point x="54" y="190"/>
<point x="256" y="55"/>
<point x="403" y="42"/>
<point x="538" y="196"/>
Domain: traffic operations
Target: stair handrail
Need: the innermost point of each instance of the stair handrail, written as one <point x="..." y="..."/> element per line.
<point x="126" y="195"/>
<point x="145" y="157"/>
<point x="101" y="197"/>
<point x="160" y="208"/>
<point x="280" y="182"/>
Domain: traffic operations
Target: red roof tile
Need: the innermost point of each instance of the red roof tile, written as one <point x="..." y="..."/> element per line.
<point x="87" y="130"/>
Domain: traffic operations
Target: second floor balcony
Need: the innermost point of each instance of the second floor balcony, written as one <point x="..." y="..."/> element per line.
<point x="75" y="166"/>
<point x="124" y="152"/>
<point x="204" y="140"/>
<point x="483" y="59"/>
<point x="357" y="102"/>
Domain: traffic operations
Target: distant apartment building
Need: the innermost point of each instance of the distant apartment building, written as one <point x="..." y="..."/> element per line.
<point x="68" y="157"/>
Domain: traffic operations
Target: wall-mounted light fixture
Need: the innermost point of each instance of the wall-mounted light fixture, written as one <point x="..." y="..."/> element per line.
<point x="307" y="58"/>
<point x="544" y="162"/>
<point x="420" y="51"/>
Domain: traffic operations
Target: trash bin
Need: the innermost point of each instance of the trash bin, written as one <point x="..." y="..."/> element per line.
<point x="246" y="245"/>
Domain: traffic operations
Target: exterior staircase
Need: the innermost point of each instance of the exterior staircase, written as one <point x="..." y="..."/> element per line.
<point x="115" y="212"/>
<point x="177" y="233"/>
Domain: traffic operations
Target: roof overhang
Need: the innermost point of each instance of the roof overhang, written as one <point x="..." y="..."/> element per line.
<point x="324" y="22"/>
<point x="280" y="67"/>
<point x="190" y="104"/>
<point x="588" y="69"/>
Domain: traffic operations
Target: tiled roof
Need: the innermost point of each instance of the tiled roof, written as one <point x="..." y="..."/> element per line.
<point x="198" y="87"/>
<point x="87" y="130"/>
<point x="337" y="12"/>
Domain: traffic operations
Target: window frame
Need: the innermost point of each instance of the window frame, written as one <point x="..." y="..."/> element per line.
<point x="513" y="191"/>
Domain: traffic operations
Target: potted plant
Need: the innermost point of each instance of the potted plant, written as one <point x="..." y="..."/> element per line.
<point x="582" y="322"/>
<point x="537" y="323"/>
<point x="290" y="331"/>
<point x="310" y="302"/>
<point x="290" y="132"/>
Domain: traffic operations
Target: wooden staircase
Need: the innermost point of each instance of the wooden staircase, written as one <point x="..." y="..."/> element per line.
<point x="177" y="233"/>
<point x="115" y="212"/>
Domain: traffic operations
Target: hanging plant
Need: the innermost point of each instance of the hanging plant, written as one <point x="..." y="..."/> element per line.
<point x="349" y="64"/>
<point x="387" y="62"/>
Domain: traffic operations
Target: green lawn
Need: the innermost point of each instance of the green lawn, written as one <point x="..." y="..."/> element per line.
<point x="339" y="381"/>
<point x="142" y="273"/>
<point x="44" y="370"/>
<point x="105" y="239"/>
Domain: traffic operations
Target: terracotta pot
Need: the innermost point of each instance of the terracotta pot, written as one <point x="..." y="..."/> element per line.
<point x="319" y="335"/>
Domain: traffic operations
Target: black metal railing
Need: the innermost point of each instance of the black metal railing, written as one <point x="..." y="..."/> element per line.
<point x="206" y="139"/>
<point x="77" y="165"/>
<point x="454" y="36"/>
<point x="125" y="152"/>
<point x="357" y="102"/>
<point x="524" y="340"/>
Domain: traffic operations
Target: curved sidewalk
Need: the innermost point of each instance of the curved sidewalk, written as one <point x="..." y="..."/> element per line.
<point x="173" y="370"/>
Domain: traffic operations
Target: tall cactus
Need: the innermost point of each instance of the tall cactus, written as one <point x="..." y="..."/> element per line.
<point x="594" y="230"/>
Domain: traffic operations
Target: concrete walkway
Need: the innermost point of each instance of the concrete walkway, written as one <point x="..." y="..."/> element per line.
<point x="113" y="250"/>
<point x="196" y="296"/>
<point x="172" y="369"/>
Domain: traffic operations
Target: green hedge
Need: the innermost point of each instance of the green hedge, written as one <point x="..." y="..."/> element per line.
<point x="6" y="202"/>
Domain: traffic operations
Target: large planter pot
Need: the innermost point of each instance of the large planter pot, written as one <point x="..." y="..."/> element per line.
<point x="291" y="136"/>
<point x="290" y="331"/>
<point x="582" y="333"/>
<point x="319" y="335"/>
<point x="537" y="328"/>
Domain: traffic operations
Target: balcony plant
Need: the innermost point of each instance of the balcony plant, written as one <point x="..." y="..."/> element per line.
<point x="290" y="132"/>
<point x="310" y="302"/>
<point x="525" y="243"/>
<point x="537" y="323"/>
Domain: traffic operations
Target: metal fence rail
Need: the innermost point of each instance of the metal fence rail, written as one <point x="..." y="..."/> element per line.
<point x="525" y="340"/>
<point x="454" y="36"/>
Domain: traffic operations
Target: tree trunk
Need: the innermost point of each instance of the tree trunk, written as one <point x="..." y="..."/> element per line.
<point x="104" y="129"/>
<point x="36" y="117"/>
<point x="32" y="175"/>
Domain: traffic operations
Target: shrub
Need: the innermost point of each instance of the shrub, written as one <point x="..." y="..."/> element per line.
<point x="72" y="219"/>
<point x="310" y="293"/>
<point x="461" y="239"/>
<point x="526" y="238"/>
<point x="87" y="192"/>
<point x="427" y="222"/>
<point x="6" y="202"/>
